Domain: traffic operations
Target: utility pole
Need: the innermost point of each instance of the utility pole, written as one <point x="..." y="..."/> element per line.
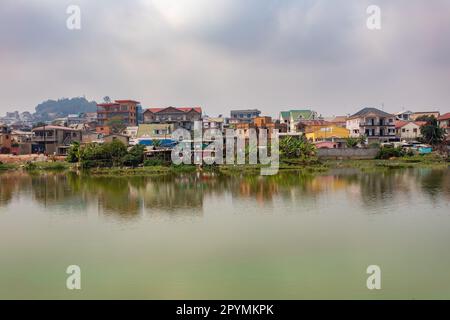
<point x="45" y="141"/>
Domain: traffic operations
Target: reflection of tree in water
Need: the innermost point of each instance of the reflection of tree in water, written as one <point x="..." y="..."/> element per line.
<point x="54" y="190"/>
<point x="113" y="195"/>
<point x="11" y="184"/>
<point x="434" y="182"/>
<point x="382" y="187"/>
<point x="184" y="193"/>
<point x="175" y="193"/>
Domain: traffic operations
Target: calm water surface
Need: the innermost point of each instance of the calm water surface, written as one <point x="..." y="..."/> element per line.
<point x="292" y="236"/>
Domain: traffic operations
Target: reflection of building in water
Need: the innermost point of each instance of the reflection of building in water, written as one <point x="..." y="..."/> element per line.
<point x="175" y="195"/>
<point x="11" y="184"/>
<point x="55" y="190"/>
<point x="115" y="196"/>
<point x="184" y="194"/>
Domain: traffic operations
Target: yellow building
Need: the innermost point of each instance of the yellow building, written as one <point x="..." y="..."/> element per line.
<point x="326" y="133"/>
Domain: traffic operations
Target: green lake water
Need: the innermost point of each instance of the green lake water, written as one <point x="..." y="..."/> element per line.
<point x="204" y="236"/>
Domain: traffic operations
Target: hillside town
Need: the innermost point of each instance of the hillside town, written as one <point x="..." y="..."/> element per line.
<point x="127" y="121"/>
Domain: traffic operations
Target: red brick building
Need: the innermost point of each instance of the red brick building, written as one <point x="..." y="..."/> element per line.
<point x="126" y="110"/>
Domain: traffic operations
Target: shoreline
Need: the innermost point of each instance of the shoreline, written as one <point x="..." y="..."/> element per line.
<point x="433" y="162"/>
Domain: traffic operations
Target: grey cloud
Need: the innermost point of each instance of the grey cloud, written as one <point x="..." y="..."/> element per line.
<point x="253" y="53"/>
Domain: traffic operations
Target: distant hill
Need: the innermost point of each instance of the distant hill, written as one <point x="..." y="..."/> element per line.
<point x="52" y="109"/>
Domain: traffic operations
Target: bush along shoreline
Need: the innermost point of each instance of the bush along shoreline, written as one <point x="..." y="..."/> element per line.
<point x="115" y="159"/>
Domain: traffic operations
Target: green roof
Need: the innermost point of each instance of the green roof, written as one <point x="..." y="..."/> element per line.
<point x="298" y="114"/>
<point x="147" y="130"/>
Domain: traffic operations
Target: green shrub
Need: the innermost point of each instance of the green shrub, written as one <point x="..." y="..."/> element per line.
<point x="153" y="163"/>
<point x="30" y="166"/>
<point x="390" y="152"/>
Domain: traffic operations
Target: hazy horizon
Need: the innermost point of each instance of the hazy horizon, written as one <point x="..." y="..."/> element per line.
<point x="228" y="54"/>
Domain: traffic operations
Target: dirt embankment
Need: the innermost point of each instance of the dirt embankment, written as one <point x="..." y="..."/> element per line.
<point x="8" y="158"/>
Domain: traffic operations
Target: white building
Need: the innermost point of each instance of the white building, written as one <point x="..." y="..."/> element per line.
<point x="376" y="125"/>
<point x="409" y="130"/>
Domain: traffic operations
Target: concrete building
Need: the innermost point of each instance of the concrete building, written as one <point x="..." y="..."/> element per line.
<point x="408" y="130"/>
<point x="131" y="132"/>
<point x="244" y="116"/>
<point x="54" y="139"/>
<point x="293" y="117"/>
<point x="179" y="117"/>
<point x="5" y="139"/>
<point x="444" y="123"/>
<point x="124" y="110"/>
<point x="156" y="131"/>
<point x="404" y="115"/>
<point x="417" y="115"/>
<point x="375" y="124"/>
<point x="327" y="133"/>
<point x="243" y="130"/>
<point x="214" y="123"/>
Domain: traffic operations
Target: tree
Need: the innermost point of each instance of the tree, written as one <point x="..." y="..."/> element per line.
<point x="362" y="140"/>
<point x="293" y="148"/>
<point x="115" y="150"/>
<point x="351" y="142"/>
<point x="116" y="124"/>
<point x="73" y="154"/>
<point x="431" y="132"/>
<point x="134" y="157"/>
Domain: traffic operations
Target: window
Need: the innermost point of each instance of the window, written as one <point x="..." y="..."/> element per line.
<point x="403" y="130"/>
<point x="415" y="130"/>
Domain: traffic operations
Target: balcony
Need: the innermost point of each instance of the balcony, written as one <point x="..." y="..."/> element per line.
<point x="376" y="124"/>
<point x="44" y="139"/>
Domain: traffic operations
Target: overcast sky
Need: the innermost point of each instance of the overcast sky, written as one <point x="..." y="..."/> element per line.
<point x="225" y="54"/>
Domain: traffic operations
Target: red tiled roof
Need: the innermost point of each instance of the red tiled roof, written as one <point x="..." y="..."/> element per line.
<point x="444" y="117"/>
<point x="183" y="109"/>
<point x="108" y="104"/>
<point x="125" y="101"/>
<point x="400" y="124"/>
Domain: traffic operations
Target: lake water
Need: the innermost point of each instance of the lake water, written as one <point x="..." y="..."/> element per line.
<point x="203" y="236"/>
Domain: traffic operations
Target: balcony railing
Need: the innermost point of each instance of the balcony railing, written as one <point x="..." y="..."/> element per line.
<point x="376" y="124"/>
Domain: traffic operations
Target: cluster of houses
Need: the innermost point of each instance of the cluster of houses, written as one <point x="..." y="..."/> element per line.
<point x="127" y="121"/>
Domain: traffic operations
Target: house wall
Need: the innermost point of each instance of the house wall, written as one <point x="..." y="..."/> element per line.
<point x="353" y="126"/>
<point x="328" y="133"/>
<point x="409" y="131"/>
<point x="352" y="154"/>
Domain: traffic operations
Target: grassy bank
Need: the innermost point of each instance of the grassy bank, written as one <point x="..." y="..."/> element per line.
<point x="8" y="166"/>
<point x="427" y="161"/>
<point x="141" y="171"/>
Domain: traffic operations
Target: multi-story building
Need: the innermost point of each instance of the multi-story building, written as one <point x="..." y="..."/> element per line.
<point x="444" y="123"/>
<point x="131" y="132"/>
<point x="292" y="118"/>
<point x="5" y="139"/>
<point x="417" y="115"/>
<point x="244" y="116"/>
<point x="54" y="139"/>
<point x="340" y="121"/>
<point x="125" y="110"/>
<point x="243" y="129"/>
<point x="376" y="125"/>
<point x="180" y="117"/>
<point x="214" y="123"/>
<point x="404" y="115"/>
